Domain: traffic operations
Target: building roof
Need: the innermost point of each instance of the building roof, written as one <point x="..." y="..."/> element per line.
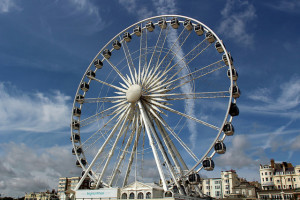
<point x="141" y="186"/>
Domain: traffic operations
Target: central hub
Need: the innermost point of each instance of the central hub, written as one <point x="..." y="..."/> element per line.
<point x="134" y="93"/>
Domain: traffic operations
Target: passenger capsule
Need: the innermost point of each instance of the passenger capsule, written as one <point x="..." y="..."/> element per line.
<point x="82" y="173"/>
<point x="90" y="74"/>
<point x="77" y="163"/>
<point x="116" y="44"/>
<point x="84" y="86"/>
<point x="199" y="29"/>
<point x="78" y="151"/>
<point x="210" y="37"/>
<point x="225" y="59"/>
<point x="194" y="179"/>
<point x="188" y="25"/>
<point x="208" y="164"/>
<point x="150" y="26"/>
<point x="76" y="137"/>
<point x="228" y="129"/>
<point x="162" y="23"/>
<point x="127" y="37"/>
<point x="175" y="23"/>
<point x="76" y="112"/>
<point x="220" y="147"/>
<point x="75" y="125"/>
<point x="219" y="47"/>
<point x="83" y="162"/>
<point x="234" y="74"/>
<point x="137" y="31"/>
<point x="98" y="64"/>
<point x="79" y="99"/>
<point x="107" y="53"/>
<point x="236" y="92"/>
<point x="234" y="110"/>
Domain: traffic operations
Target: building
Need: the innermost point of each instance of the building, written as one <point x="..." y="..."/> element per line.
<point x="41" y="196"/>
<point x="230" y="180"/>
<point x="212" y="187"/>
<point x="279" y="176"/>
<point x="279" y="180"/>
<point x="138" y="190"/>
<point x="65" y="185"/>
<point x="245" y="189"/>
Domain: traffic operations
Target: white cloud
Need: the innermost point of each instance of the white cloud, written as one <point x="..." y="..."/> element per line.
<point x="285" y="103"/>
<point x="23" y="169"/>
<point x="291" y="6"/>
<point x="235" y="17"/>
<point x="7" y="6"/>
<point x="236" y="156"/>
<point x="36" y="112"/>
<point x="295" y="145"/>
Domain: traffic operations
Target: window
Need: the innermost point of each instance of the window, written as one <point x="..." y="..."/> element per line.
<point x="270" y="173"/>
<point x="208" y="193"/>
<point x="217" y="187"/>
<point x="124" y="196"/>
<point x="294" y="179"/>
<point x="140" y="195"/>
<point x="263" y="179"/>
<point x="131" y="196"/>
<point x="266" y="173"/>
<point x="207" y="187"/>
<point x="278" y="181"/>
<point x="271" y="179"/>
<point x="217" y="193"/>
<point x="148" y="195"/>
<point x="267" y="179"/>
<point x="207" y="182"/>
<point x="227" y="181"/>
<point x="262" y="174"/>
<point x="278" y="186"/>
<point x="226" y="187"/>
<point x="284" y="186"/>
<point x="289" y="179"/>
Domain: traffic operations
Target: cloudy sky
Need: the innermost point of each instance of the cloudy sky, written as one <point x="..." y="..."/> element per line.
<point x="46" y="46"/>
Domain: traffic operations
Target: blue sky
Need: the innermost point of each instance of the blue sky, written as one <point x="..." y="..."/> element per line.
<point x="46" y="46"/>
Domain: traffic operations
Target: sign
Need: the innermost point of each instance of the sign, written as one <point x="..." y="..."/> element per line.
<point x="100" y="193"/>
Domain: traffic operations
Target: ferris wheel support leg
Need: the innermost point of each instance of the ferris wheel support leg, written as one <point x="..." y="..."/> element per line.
<point x="147" y="124"/>
<point x="99" y="152"/>
<point x="173" y="149"/>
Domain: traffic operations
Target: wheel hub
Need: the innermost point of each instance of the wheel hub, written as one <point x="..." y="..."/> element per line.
<point x="134" y="93"/>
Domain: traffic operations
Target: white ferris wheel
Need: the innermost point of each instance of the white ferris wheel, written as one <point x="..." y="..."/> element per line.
<point x="157" y="101"/>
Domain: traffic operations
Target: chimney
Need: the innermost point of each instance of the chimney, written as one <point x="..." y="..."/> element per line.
<point x="272" y="163"/>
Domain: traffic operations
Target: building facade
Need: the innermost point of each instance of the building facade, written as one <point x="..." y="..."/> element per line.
<point x="66" y="184"/>
<point x="230" y="180"/>
<point x="279" y="176"/>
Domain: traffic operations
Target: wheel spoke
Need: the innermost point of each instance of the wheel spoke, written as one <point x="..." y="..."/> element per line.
<point x="182" y="96"/>
<point x="183" y="114"/>
<point x="110" y="85"/>
<point x="103" y="99"/>
<point x="121" y="118"/>
<point x="105" y="113"/>
<point x="129" y="62"/>
<point x="184" y="61"/>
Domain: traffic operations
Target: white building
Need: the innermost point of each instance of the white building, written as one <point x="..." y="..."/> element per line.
<point x="221" y="187"/>
<point x="230" y="180"/>
<point x="279" y="176"/>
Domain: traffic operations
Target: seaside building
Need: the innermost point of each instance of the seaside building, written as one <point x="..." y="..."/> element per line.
<point x="279" y="180"/>
<point x="66" y="186"/>
<point x="230" y="180"/>
<point x="41" y="196"/>
<point x="212" y="187"/>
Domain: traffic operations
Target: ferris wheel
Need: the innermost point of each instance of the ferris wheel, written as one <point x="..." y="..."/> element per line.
<point x="156" y="102"/>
